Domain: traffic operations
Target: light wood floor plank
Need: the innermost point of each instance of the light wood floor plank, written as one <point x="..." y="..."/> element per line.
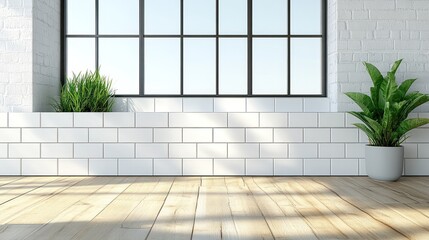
<point x="176" y="217"/>
<point x="321" y="220"/>
<point x="248" y="219"/>
<point x="403" y="189"/>
<point x="203" y="208"/>
<point x="144" y="215"/>
<point x="6" y="180"/>
<point x="17" y="188"/>
<point x="25" y="202"/>
<point x="299" y="227"/>
<point x="79" y="215"/>
<point x="133" y="226"/>
<point x="275" y="218"/>
<point x="47" y="211"/>
<point x="379" y="211"/>
<point x="360" y="222"/>
<point x="213" y="218"/>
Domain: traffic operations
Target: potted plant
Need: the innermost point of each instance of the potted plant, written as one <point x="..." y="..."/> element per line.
<point x="385" y="121"/>
<point x="86" y="92"/>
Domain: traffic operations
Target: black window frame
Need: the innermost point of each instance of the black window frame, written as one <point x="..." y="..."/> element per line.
<point x="141" y="36"/>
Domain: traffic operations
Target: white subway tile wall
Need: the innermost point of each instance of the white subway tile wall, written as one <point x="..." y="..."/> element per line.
<point x="288" y="167"/>
<point x="103" y="167"/>
<point x="229" y="167"/>
<point x="197" y="135"/>
<point x="9" y="135"/>
<point x="39" y="135"/>
<point x="198" y="120"/>
<point x="133" y="134"/>
<point x="73" y="166"/>
<point x="39" y="166"/>
<point x="212" y="150"/>
<point x="104" y="134"/>
<point x="9" y="167"/>
<point x="230" y="105"/>
<point x="88" y="119"/>
<point x="135" y="166"/>
<point x="198" y="167"/>
<point x="280" y="144"/>
<point x="117" y="119"/>
<point x="260" y="105"/>
<point x="56" y="120"/>
<point x="182" y="150"/>
<point x="141" y="104"/>
<point x="57" y="150"/>
<point x="24" y="119"/>
<point x="168" y="105"/>
<point x="168" y="167"/>
<point x="273" y="120"/>
<point x="151" y="119"/>
<point x="119" y="150"/>
<point x="3" y="150"/>
<point x="263" y="167"/>
<point x="3" y="119"/>
<point x="72" y="135"/>
<point x="198" y="105"/>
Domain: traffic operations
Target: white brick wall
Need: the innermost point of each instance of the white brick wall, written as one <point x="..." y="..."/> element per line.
<point x="46" y="53"/>
<point x="255" y="150"/>
<point x="16" y="56"/>
<point x="29" y="54"/>
<point x="380" y="32"/>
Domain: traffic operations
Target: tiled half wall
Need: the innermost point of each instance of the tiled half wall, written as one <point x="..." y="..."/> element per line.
<point x="159" y="143"/>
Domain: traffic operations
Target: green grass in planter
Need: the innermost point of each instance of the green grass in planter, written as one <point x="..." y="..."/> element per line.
<point x="86" y="92"/>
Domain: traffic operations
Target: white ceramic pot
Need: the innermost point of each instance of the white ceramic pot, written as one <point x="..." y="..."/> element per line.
<point x="384" y="163"/>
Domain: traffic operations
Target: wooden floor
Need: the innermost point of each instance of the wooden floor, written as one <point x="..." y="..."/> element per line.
<point x="212" y="208"/>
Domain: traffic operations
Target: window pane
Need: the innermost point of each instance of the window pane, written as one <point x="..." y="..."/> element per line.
<point x="269" y="17"/>
<point x="162" y="16"/>
<point x="199" y="16"/>
<point x="119" y="17"/>
<point x="306" y="66"/>
<point x="81" y="16"/>
<point x="233" y="66"/>
<point x="162" y="66"/>
<point x="233" y="16"/>
<point x="199" y="66"/>
<point x="80" y="55"/>
<point x="119" y="60"/>
<point x="306" y="16"/>
<point x="269" y="66"/>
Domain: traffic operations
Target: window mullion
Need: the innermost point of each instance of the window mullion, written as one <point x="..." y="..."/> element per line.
<point x="141" y="47"/>
<point x="288" y="46"/>
<point x="217" y="48"/>
<point x="249" y="47"/>
<point x="96" y="33"/>
<point x="181" y="47"/>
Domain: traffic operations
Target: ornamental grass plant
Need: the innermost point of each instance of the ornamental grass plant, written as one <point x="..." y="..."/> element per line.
<point x="86" y="92"/>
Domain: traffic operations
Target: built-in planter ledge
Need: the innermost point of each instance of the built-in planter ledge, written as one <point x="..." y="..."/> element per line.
<point x="191" y="144"/>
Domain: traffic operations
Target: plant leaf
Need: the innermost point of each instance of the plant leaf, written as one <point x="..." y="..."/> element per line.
<point x="411" y="124"/>
<point x="374" y="73"/>
<point x="395" y="66"/>
<point x="362" y="100"/>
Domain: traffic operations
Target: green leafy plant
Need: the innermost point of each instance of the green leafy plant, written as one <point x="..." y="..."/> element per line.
<point x="86" y="92"/>
<point x="384" y="113"/>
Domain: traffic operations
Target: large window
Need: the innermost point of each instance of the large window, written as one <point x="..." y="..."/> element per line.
<point x="199" y="47"/>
